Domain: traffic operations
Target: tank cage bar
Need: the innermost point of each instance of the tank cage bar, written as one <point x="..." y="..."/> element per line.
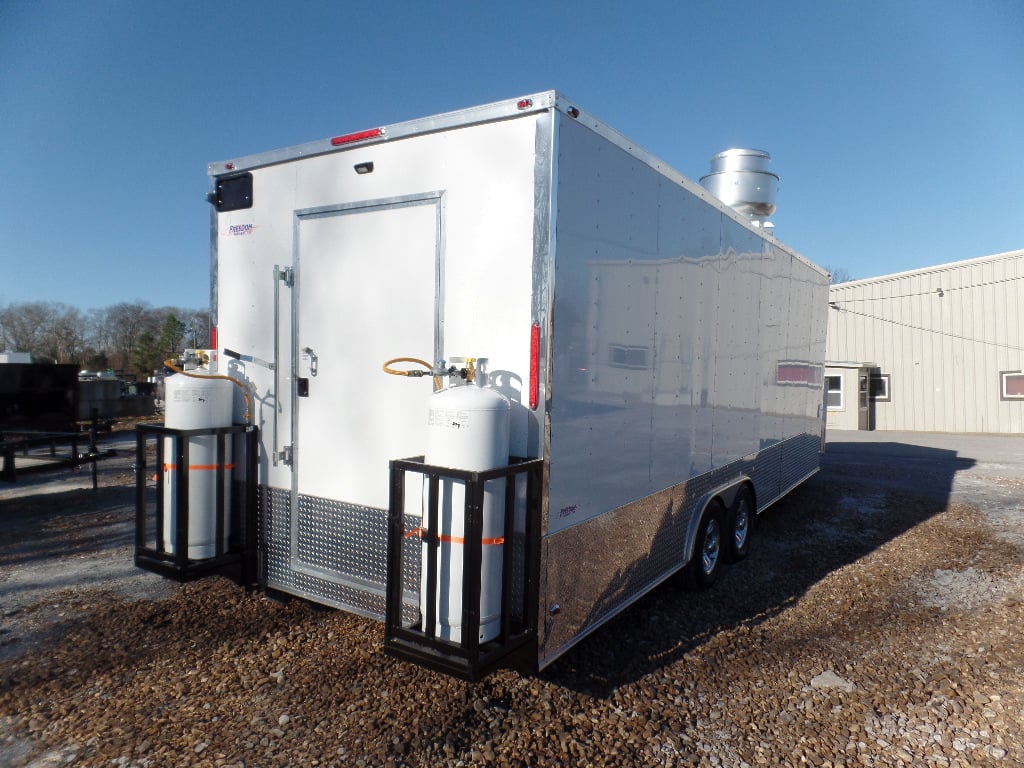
<point x="236" y="555"/>
<point x="516" y="643"/>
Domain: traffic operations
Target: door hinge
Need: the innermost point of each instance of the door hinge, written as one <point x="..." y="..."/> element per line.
<point x="285" y="456"/>
<point x="286" y="275"/>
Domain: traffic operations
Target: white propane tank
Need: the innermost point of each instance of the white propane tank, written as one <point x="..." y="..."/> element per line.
<point x="467" y="428"/>
<point x="196" y="402"/>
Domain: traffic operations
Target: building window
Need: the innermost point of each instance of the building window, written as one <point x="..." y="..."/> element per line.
<point x="1011" y="385"/>
<point x="621" y="356"/>
<point x="834" y="393"/>
<point x="881" y="388"/>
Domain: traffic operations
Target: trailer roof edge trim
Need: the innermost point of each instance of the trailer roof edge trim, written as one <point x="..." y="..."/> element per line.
<point x="460" y="118"/>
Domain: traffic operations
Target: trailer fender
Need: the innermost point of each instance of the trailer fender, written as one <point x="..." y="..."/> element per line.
<point x="726" y="494"/>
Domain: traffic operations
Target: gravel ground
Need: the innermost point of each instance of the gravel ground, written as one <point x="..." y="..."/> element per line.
<point x="876" y="623"/>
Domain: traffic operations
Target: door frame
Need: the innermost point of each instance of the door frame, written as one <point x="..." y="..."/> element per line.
<point x="435" y="198"/>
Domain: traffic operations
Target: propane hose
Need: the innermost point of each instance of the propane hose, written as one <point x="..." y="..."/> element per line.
<point x="407" y="372"/>
<point x="245" y="390"/>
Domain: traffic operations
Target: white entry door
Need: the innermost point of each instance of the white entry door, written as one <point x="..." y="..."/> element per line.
<point x="367" y="290"/>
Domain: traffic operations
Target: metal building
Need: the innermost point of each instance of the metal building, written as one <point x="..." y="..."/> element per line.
<point x="942" y="348"/>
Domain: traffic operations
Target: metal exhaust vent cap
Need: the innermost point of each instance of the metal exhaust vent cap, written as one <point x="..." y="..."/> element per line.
<point x="740" y="178"/>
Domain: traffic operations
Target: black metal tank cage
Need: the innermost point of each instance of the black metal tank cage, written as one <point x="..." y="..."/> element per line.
<point x="412" y="635"/>
<point x="235" y="553"/>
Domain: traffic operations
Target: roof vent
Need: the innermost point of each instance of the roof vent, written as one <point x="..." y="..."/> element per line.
<point x="740" y="178"/>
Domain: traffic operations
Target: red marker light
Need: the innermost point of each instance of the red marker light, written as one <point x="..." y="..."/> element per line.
<point x="213" y="337"/>
<point x="573" y="112"/>
<point x="524" y="104"/>
<point x="348" y="138"/>
<point x="534" y="366"/>
<point x="229" y="166"/>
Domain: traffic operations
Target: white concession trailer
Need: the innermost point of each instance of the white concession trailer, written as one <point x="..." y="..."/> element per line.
<point x="610" y="373"/>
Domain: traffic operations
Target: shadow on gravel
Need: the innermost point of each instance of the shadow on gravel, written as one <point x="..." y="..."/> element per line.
<point x="78" y="521"/>
<point x="866" y="495"/>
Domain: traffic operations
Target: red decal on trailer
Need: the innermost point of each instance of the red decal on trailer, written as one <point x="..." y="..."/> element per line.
<point x="534" y="366"/>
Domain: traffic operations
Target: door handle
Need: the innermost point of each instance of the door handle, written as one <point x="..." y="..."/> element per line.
<point x="314" y="361"/>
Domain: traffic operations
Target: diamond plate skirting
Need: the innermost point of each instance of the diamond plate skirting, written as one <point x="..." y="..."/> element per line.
<point x="333" y="553"/>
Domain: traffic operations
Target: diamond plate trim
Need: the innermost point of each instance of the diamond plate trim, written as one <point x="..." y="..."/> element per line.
<point x="596" y="569"/>
<point x="341" y="552"/>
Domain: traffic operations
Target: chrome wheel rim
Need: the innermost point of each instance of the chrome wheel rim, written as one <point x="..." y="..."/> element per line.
<point x="742" y="525"/>
<point x="712" y="546"/>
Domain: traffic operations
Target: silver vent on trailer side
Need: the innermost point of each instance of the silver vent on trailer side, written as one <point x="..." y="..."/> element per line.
<point x="740" y="178"/>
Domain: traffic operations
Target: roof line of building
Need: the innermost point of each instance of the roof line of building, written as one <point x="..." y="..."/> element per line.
<point x="1018" y="254"/>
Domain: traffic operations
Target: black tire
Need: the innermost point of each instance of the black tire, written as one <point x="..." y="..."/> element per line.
<point x="739" y="525"/>
<point x="708" y="547"/>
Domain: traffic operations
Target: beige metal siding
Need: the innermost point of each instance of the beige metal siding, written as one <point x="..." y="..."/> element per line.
<point x="943" y="335"/>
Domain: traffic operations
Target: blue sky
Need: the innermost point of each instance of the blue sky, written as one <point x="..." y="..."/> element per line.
<point x="896" y="126"/>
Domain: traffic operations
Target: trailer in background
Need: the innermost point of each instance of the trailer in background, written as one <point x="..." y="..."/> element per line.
<point x="39" y="428"/>
<point x="653" y="366"/>
<point x="37" y="396"/>
<point x="110" y="397"/>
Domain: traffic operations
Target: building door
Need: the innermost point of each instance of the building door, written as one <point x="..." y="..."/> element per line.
<point x="865" y="418"/>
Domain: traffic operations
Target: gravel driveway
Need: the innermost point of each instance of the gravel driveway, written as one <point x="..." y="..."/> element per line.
<point x="875" y="623"/>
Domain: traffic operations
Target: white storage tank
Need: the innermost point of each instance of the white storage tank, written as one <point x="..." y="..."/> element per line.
<point x="196" y="401"/>
<point x="468" y="428"/>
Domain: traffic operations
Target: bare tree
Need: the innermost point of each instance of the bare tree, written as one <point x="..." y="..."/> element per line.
<point x="64" y="334"/>
<point x="99" y="330"/>
<point x="127" y="323"/>
<point x="23" y="327"/>
<point x="130" y="337"/>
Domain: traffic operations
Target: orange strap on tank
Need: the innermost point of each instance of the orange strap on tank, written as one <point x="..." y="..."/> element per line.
<point x="169" y="467"/>
<point x="454" y="539"/>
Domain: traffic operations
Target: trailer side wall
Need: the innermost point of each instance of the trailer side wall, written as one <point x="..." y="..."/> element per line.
<point x="686" y="354"/>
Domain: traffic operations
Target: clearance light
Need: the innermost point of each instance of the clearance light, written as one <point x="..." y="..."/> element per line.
<point x="534" y="366"/>
<point x="573" y="112"/>
<point x="524" y="104"/>
<point x="213" y="337"/>
<point x="348" y="138"/>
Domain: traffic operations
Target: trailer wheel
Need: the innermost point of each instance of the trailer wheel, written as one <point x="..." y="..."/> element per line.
<point x="739" y="525"/>
<point x="708" y="548"/>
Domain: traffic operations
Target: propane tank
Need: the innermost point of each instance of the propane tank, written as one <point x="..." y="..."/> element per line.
<point x="467" y="428"/>
<point x="196" y="401"/>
